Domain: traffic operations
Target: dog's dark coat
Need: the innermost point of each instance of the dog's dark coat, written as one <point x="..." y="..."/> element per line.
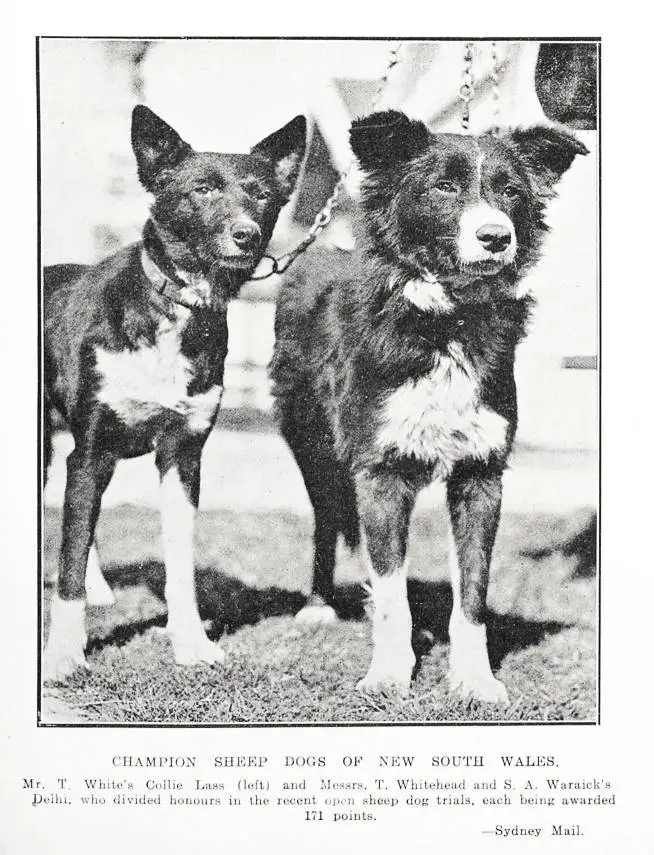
<point x="427" y="312"/>
<point x="135" y="346"/>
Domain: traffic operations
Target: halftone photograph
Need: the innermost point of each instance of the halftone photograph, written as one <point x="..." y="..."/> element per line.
<point x="319" y="381"/>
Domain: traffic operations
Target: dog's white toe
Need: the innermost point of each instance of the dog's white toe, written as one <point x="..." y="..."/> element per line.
<point x="64" y="652"/>
<point x="59" y="665"/>
<point x="315" y="615"/>
<point x="197" y="650"/>
<point x="486" y="688"/>
<point x="384" y="680"/>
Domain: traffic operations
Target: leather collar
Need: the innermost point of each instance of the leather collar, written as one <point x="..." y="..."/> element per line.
<point x="164" y="286"/>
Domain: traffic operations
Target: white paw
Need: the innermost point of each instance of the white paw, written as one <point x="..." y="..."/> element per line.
<point x="382" y="679"/>
<point x="193" y="651"/>
<point x="64" y="652"/>
<point x="314" y="616"/>
<point x="58" y="665"/>
<point x="480" y="688"/>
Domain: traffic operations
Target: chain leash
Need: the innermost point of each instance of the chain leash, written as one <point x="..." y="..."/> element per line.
<point x="324" y="216"/>
<point x="467" y="90"/>
<point x="495" y="88"/>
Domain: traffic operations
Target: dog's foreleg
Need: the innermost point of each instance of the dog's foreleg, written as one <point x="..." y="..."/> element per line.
<point x="88" y="474"/>
<point x="474" y="496"/>
<point x="179" y="469"/>
<point x="385" y="504"/>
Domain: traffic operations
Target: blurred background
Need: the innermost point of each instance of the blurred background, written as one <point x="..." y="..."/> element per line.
<point x="227" y="94"/>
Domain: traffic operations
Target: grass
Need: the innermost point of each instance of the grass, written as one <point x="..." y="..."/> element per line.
<point x="253" y="575"/>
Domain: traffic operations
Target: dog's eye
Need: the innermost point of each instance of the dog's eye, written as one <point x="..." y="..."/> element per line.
<point x="510" y="192"/>
<point x="448" y="187"/>
<point x="203" y="190"/>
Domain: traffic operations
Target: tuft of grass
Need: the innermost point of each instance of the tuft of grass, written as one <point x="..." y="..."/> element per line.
<point x="253" y="575"/>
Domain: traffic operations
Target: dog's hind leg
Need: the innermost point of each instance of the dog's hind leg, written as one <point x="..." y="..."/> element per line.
<point x="178" y="461"/>
<point x="88" y="474"/>
<point x="334" y="506"/>
<point x="474" y="495"/>
<point x="98" y="592"/>
<point x="385" y="505"/>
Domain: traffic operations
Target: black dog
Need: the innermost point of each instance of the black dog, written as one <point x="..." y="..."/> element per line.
<point x="134" y="355"/>
<point x="396" y="367"/>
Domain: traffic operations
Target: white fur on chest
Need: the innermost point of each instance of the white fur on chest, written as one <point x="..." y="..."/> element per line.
<point x="439" y="419"/>
<point x="153" y="380"/>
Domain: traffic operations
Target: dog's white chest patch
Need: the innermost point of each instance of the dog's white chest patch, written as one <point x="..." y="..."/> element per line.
<point x="428" y="295"/>
<point x="439" y="419"/>
<point x="152" y="381"/>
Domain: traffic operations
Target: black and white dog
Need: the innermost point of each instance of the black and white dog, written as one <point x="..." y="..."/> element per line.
<point x="395" y="367"/>
<point x="134" y="351"/>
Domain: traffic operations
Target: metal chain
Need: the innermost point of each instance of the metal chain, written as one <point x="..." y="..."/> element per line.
<point x="324" y="216"/>
<point x="467" y="90"/>
<point x="495" y="83"/>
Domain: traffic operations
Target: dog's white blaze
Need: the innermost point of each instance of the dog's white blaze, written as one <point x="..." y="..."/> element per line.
<point x="470" y="670"/>
<point x="146" y="382"/>
<point x="428" y="295"/>
<point x="64" y="651"/>
<point x="184" y="626"/>
<point x="438" y="418"/>
<point x="480" y="161"/>
<point x="98" y="592"/>
<point x="469" y="246"/>
<point x="392" y="656"/>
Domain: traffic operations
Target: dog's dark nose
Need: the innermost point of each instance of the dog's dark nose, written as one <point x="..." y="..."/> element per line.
<point x="493" y="238"/>
<point x="246" y="235"/>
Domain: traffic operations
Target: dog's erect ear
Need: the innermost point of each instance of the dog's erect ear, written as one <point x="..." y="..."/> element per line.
<point x="286" y="149"/>
<point x="382" y="139"/>
<point x="547" y="153"/>
<point x="156" y="145"/>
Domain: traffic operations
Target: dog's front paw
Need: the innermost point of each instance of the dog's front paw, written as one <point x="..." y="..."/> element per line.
<point x="315" y="614"/>
<point x="194" y="651"/>
<point x="64" y="652"/>
<point x="387" y="679"/>
<point x="484" y="688"/>
<point x="58" y="665"/>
